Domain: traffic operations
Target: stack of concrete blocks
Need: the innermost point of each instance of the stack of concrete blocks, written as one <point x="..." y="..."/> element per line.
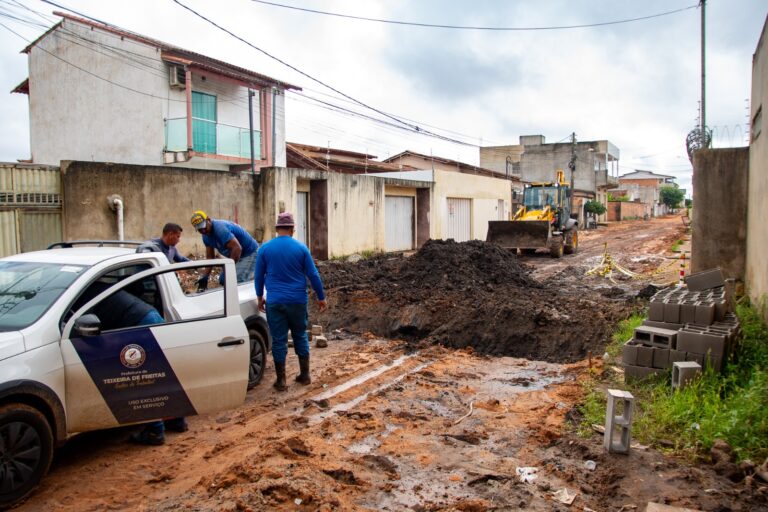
<point x="690" y="323"/>
<point x="316" y="334"/>
<point x="618" y="421"/>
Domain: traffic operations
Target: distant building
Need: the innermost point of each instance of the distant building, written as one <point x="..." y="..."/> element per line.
<point x="533" y="160"/>
<point x="101" y="93"/>
<point x="645" y="187"/>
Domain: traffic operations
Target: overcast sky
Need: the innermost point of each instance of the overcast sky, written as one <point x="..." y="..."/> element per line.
<point x="636" y="84"/>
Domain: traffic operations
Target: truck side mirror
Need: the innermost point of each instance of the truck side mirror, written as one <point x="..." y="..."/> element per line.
<point x="88" y="325"/>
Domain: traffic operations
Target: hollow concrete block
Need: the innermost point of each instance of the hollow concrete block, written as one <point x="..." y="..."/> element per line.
<point x="629" y="353"/>
<point x="644" y="356"/>
<point x="660" y="358"/>
<point x="664" y="338"/>
<point x="663" y="325"/>
<point x="693" y="356"/>
<point x="640" y="372"/>
<point x="684" y="372"/>
<point x="701" y="342"/>
<point x="618" y="421"/>
<point x="676" y="355"/>
<point x="656" y="311"/>
<point x="688" y="312"/>
<point x="705" y="280"/>
<point x="672" y="311"/>
<point x="705" y="313"/>
<point x="721" y="308"/>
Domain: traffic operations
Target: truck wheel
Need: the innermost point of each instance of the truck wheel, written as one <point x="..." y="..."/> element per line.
<point x="556" y="247"/>
<point x="258" y="358"/>
<point x="573" y="246"/>
<point x="26" y="450"/>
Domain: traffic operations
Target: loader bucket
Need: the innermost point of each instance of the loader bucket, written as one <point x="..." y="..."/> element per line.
<point x="519" y="234"/>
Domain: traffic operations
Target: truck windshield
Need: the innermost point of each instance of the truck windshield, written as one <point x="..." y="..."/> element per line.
<point x="536" y="198"/>
<point x="28" y="289"/>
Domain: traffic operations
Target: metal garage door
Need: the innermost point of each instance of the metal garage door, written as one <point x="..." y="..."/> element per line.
<point x="301" y="233"/>
<point x="398" y="221"/>
<point x="458" y="217"/>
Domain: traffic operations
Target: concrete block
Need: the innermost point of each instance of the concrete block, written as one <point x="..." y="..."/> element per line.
<point x="684" y="372"/>
<point x="644" y="356"/>
<point x="640" y="372"/>
<point x="653" y="336"/>
<point x="688" y="312"/>
<point x="317" y="330"/>
<point x="701" y="342"/>
<point x="721" y="308"/>
<point x="676" y="355"/>
<point x="663" y="325"/>
<point x="705" y="280"/>
<point x="660" y="358"/>
<point x="629" y="353"/>
<point x="672" y="311"/>
<point x="705" y="313"/>
<point x="321" y="341"/>
<point x="692" y="356"/>
<point x="618" y="421"/>
<point x="656" y="311"/>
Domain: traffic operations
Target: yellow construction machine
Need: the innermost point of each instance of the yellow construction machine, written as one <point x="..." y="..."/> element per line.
<point x="542" y="222"/>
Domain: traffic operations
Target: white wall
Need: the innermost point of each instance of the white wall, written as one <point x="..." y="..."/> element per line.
<point x="484" y="191"/>
<point x="77" y="116"/>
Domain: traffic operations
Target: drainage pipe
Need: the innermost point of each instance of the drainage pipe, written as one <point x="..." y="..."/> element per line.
<point x="116" y="204"/>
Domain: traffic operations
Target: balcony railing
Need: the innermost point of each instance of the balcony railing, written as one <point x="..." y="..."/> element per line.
<point x="212" y="138"/>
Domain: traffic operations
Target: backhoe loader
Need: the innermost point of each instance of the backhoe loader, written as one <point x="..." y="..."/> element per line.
<point x="542" y="222"/>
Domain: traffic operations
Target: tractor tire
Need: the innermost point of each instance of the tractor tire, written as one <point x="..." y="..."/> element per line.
<point x="27" y="442"/>
<point x="258" y="357"/>
<point x="572" y="243"/>
<point x="556" y="247"/>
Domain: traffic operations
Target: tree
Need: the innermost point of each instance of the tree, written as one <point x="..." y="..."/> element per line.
<point x="595" y="207"/>
<point x="671" y="195"/>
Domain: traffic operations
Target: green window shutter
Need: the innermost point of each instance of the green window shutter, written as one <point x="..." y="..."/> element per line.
<point x="203" y="122"/>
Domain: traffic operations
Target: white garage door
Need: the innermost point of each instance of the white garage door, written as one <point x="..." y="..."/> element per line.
<point x="458" y="217"/>
<point x="398" y="220"/>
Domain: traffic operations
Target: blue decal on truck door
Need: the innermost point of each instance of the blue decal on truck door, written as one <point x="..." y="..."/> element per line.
<point x="133" y="375"/>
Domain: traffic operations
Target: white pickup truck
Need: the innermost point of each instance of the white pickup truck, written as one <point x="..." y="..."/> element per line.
<point x="65" y="370"/>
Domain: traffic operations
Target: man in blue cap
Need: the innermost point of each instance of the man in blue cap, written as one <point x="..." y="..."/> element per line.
<point x="231" y="240"/>
<point x="283" y="265"/>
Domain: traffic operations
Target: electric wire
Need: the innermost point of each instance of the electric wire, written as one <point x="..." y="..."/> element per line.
<point x="466" y="27"/>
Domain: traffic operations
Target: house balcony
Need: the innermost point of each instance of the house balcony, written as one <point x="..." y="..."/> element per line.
<point x="216" y="142"/>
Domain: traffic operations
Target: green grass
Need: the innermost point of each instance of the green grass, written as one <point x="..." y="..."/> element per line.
<point x="732" y="405"/>
<point x="676" y="245"/>
<point x="623" y="332"/>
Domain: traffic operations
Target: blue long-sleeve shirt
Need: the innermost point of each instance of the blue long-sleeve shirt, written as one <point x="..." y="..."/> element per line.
<point x="283" y="265"/>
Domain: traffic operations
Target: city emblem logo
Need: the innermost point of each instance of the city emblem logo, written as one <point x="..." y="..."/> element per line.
<point x="132" y="356"/>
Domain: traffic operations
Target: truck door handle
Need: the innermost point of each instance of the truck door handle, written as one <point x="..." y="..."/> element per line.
<point x="229" y="341"/>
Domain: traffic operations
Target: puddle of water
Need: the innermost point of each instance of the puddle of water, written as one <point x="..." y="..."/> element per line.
<point x="371" y="442"/>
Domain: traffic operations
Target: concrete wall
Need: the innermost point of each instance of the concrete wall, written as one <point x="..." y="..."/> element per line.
<point x="719" y="220"/>
<point x="485" y="193"/>
<point x="77" y="116"/>
<point x="152" y="197"/>
<point x="625" y="210"/>
<point x="756" y="276"/>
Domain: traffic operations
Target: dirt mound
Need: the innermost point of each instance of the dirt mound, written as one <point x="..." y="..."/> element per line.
<point x="469" y="294"/>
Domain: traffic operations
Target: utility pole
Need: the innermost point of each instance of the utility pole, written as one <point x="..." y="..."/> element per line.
<point x="703" y="116"/>
<point x="572" y="167"/>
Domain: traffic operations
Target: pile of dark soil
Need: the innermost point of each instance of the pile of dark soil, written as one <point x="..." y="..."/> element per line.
<point x="469" y="294"/>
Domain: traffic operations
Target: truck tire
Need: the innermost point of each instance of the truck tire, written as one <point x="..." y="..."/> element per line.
<point x="572" y="242"/>
<point x="556" y="247"/>
<point x="258" y="357"/>
<point x="27" y="449"/>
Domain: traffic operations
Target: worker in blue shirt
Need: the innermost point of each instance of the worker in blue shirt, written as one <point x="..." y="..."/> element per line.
<point x="283" y="265"/>
<point x="231" y="240"/>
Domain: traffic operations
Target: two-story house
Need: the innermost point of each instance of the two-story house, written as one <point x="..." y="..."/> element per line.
<point x="645" y="187"/>
<point x="101" y="93"/>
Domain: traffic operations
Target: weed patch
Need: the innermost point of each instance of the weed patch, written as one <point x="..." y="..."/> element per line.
<point x="732" y="405"/>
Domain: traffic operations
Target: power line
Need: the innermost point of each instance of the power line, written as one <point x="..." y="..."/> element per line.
<point x="465" y="27"/>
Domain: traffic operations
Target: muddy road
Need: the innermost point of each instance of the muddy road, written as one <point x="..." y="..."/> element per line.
<point x="409" y="423"/>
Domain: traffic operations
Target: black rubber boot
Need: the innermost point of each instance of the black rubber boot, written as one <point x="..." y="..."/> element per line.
<point x="303" y="377"/>
<point x="280" y="382"/>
